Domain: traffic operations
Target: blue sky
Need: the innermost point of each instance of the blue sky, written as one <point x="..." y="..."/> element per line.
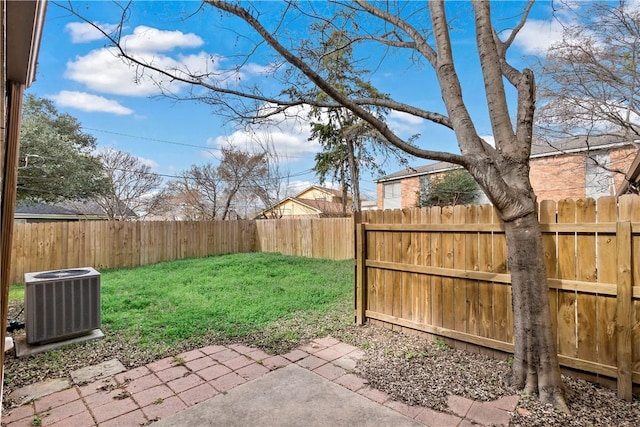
<point x="84" y="79"/>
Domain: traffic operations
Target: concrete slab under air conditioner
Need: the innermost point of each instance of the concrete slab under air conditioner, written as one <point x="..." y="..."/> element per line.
<point x="23" y="349"/>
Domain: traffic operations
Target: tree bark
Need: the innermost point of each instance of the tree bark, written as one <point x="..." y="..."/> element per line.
<point x="355" y="176"/>
<point x="535" y="367"/>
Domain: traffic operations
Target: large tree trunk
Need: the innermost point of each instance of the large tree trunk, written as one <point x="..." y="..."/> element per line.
<point x="535" y="367"/>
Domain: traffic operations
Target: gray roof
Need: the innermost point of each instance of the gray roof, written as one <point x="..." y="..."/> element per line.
<point x="71" y="208"/>
<point x="539" y="148"/>
<point x="43" y="209"/>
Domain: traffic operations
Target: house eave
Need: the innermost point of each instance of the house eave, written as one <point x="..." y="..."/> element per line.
<point x="583" y="149"/>
<point x="25" y="22"/>
<point x="416" y="174"/>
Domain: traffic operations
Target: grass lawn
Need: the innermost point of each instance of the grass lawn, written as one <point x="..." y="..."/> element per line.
<point x="229" y="295"/>
<point x="266" y="300"/>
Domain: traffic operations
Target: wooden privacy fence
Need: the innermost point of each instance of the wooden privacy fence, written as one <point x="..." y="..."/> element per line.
<point x="444" y="271"/>
<point x="329" y="238"/>
<point x="102" y="244"/>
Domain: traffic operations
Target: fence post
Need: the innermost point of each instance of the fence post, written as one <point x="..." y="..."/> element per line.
<point x="361" y="283"/>
<point x="624" y="310"/>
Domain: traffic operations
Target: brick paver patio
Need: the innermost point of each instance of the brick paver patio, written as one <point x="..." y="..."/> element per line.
<point x="167" y="386"/>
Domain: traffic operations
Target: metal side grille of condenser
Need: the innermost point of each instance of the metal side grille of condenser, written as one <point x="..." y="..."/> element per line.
<point x="61" y="304"/>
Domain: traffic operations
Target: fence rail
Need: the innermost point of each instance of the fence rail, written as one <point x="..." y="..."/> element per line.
<point x="102" y="244"/>
<point x="444" y="271"/>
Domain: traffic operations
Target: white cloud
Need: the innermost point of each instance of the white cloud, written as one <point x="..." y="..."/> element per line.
<point x="288" y="133"/>
<point x="537" y="36"/>
<point x="88" y="102"/>
<point x="103" y="69"/>
<point x="83" y="32"/>
<point x="405" y="125"/>
<point x="148" y="39"/>
<point x="148" y="162"/>
<point x="288" y="145"/>
<point x="296" y="187"/>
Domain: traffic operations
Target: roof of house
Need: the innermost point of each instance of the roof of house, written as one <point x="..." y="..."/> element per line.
<point x="43" y="209"/>
<point x="539" y="148"/>
<point x="331" y="191"/>
<point x="72" y="208"/>
<point x="321" y="206"/>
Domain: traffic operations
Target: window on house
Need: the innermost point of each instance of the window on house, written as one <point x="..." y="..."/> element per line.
<point x="598" y="175"/>
<point x="392" y="195"/>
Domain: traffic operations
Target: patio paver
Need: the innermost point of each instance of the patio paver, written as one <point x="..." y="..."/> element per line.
<point x="162" y="388"/>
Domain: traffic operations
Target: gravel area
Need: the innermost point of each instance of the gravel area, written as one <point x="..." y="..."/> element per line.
<point x="408" y="367"/>
<point x="418" y="372"/>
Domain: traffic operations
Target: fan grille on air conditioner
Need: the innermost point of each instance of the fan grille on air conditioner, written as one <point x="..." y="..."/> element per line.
<point x="61" y="304"/>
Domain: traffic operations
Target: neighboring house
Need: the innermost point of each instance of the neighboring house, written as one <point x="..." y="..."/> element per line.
<point x="65" y="211"/>
<point x="576" y="168"/>
<point x="315" y="202"/>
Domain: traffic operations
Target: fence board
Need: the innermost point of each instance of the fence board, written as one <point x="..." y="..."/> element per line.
<point x="606" y="267"/>
<point x="459" y="262"/>
<point x="501" y="300"/>
<point x="567" y="341"/>
<point x="436" y="261"/>
<point x="547" y="214"/>
<point x="471" y="263"/>
<point x="586" y="271"/>
<point x="485" y="289"/>
<point x="448" y="316"/>
<point x="425" y="313"/>
<point x="630" y="211"/>
<point x="406" y="256"/>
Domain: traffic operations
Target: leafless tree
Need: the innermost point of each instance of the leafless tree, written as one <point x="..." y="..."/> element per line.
<point x="240" y="169"/>
<point x="131" y="185"/>
<point x="590" y="80"/>
<point x="196" y="195"/>
<point x="272" y="185"/>
<point x="210" y="192"/>
<point x="422" y="30"/>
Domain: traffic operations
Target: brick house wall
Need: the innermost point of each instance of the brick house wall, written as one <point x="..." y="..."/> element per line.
<point x="558" y="177"/>
<point x="409" y="188"/>
<point x="553" y="177"/>
<point x="564" y="176"/>
<point x="621" y="160"/>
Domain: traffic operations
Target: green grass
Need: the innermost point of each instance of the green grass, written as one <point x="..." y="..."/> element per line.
<point x="228" y="296"/>
<point x="16" y="292"/>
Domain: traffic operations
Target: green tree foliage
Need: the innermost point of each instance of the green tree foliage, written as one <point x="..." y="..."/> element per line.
<point x="455" y="187"/>
<point x="56" y="160"/>
<point x="349" y="143"/>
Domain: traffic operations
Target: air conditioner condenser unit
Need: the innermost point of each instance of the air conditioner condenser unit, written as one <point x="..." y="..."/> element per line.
<point x="61" y="304"/>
